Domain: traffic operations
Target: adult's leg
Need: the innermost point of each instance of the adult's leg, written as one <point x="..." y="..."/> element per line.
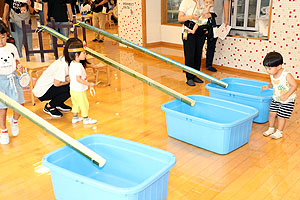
<point x="56" y="95"/>
<point x="64" y="31"/>
<point x="210" y="52"/>
<point x="17" y="35"/>
<point x="96" y="23"/>
<point x="102" y="22"/>
<point x="29" y="40"/>
<point x="200" y="40"/>
<point x="189" y="46"/>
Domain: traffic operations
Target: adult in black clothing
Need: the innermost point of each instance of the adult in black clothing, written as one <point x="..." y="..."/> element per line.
<point x="192" y="43"/>
<point x="61" y="11"/>
<point x="75" y="6"/>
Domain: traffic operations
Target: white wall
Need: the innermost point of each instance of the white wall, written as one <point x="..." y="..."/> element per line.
<point x="153" y="21"/>
<point x="171" y="34"/>
<point x="157" y="32"/>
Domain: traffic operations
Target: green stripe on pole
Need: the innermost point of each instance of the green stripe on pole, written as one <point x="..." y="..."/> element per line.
<point x="154" y="54"/>
<point x="128" y="71"/>
<point x="91" y="155"/>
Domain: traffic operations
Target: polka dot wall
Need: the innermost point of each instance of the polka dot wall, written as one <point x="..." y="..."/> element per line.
<point x="130" y="20"/>
<point x="248" y="54"/>
<point x="240" y="53"/>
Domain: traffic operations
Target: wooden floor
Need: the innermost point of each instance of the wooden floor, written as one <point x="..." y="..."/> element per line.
<point x="262" y="169"/>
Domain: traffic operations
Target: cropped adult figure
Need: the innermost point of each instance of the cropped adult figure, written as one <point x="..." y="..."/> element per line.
<point x="75" y="6"/>
<point x="99" y="8"/>
<point x="40" y="12"/>
<point x="192" y="43"/>
<point x="221" y="9"/>
<point x="61" y="11"/>
<point x="12" y="13"/>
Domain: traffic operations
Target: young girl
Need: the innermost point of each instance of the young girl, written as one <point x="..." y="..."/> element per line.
<point x="76" y="58"/>
<point x="9" y="83"/>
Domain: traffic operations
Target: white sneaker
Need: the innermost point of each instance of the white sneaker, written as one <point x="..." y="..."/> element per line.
<point x="270" y="131"/>
<point x="89" y="121"/>
<point x="14" y="127"/>
<point x="276" y="135"/>
<point x="4" y="138"/>
<point x="75" y="120"/>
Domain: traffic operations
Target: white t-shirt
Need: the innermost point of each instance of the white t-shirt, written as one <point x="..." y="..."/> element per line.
<point x="58" y="70"/>
<point x="77" y="69"/>
<point x="188" y="7"/>
<point x="8" y="56"/>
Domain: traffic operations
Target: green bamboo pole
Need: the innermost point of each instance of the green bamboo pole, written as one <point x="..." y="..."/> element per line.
<point x="154" y="54"/>
<point x="127" y="70"/>
<point x="91" y="155"/>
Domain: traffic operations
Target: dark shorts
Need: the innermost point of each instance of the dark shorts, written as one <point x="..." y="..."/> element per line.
<point x="283" y="110"/>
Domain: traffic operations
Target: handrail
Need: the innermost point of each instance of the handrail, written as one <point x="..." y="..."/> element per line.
<point x="85" y="151"/>
<point x="127" y="70"/>
<point x="154" y="54"/>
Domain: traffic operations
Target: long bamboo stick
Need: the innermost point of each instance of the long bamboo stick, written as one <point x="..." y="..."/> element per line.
<point x="127" y="70"/>
<point x="91" y="155"/>
<point x="154" y="54"/>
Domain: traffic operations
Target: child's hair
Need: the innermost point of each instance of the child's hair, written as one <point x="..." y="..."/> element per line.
<point x="73" y="43"/>
<point x="3" y="28"/>
<point x="273" y="59"/>
<point x="24" y="5"/>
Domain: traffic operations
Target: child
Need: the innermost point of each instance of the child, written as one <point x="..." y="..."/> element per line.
<point x="205" y="23"/>
<point x="9" y="83"/>
<point x="76" y="58"/>
<point x="204" y="14"/>
<point x="24" y="8"/>
<point x="284" y="93"/>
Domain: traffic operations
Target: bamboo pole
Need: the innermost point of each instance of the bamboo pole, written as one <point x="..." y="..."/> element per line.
<point x="154" y="54"/>
<point x="91" y="155"/>
<point x="127" y="70"/>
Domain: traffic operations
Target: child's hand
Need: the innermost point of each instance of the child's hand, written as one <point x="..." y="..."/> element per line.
<point x="20" y="68"/>
<point x="265" y="87"/>
<point x="284" y="97"/>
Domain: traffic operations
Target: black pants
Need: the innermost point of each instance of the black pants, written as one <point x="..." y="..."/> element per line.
<point x="193" y="52"/>
<point x="75" y="8"/>
<point x="210" y="52"/>
<point x="56" y="95"/>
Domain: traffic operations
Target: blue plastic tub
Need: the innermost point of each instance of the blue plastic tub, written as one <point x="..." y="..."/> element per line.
<point x="214" y="124"/>
<point x="247" y="92"/>
<point x="133" y="171"/>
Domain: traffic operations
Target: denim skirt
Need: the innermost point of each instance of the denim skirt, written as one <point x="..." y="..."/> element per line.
<point x="10" y="85"/>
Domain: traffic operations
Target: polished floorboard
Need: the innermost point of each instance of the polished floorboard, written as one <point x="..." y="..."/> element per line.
<point x="130" y="109"/>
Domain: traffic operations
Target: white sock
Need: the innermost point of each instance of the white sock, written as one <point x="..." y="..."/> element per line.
<point x="270" y="131"/>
